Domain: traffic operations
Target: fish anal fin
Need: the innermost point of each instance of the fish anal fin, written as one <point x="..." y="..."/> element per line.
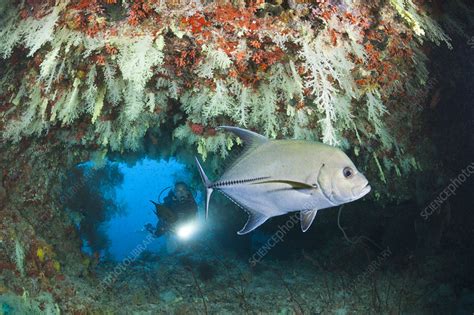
<point x="255" y="220"/>
<point x="307" y="218"/>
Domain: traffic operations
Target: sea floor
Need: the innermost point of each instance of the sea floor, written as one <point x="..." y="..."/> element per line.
<point x="199" y="279"/>
<point x="196" y="282"/>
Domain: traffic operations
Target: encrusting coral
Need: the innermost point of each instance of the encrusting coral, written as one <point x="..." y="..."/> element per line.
<point x="108" y="72"/>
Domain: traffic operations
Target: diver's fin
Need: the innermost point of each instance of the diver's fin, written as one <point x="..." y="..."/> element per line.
<point x="207" y="183"/>
<point x="254" y="221"/>
<point x="156" y="207"/>
<point x="250" y="138"/>
<point x="307" y="217"/>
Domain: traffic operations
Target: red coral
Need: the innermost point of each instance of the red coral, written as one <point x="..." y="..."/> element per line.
<point x="197" y="129"/>
<point x="185" y="59"/>
<point x="266" y="57"/>
<point x="100" y="60"/>
<point x="111" y="50"/>
<point x="258" y="57"/>
<point x="197" y="22"/>
<point x="333" y="35"/>
<point x="227" y="46"/>
<point x="234" y="18"/>
<point x="255" y="44"/>
<point x="94" y="25"/>
<point x="139" y="11"/>
<point x="91" y="5"/>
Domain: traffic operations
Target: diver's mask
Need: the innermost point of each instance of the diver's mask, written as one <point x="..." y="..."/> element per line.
<point x="182" y="192"/>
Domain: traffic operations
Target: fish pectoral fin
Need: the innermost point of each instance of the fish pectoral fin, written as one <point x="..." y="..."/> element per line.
<point x="292" y="183"/>
<point x="307" y="218"/>
<point x="254" y="221"/>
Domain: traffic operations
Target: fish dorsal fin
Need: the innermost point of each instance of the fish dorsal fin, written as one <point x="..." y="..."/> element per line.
<point x="250" y="138"/>
<point x="307" y="218"/>
<point x="254" y="221"/>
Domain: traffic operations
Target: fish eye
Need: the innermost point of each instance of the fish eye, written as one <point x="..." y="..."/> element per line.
<point x="348" y="172"/>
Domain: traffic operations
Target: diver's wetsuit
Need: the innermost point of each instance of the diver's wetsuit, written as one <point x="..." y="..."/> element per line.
<point x="185" y="210"/>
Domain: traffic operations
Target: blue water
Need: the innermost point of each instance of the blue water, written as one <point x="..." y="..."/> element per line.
<point x="142" y="183"/>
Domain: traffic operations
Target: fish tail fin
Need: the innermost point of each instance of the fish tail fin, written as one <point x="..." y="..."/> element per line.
<point x="207" y="183"/>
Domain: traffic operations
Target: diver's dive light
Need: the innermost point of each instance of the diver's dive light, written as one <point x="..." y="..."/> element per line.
<point x="186" y="230"/>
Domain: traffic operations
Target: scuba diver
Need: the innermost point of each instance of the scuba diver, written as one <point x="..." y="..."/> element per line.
<point x="177" y="207"/>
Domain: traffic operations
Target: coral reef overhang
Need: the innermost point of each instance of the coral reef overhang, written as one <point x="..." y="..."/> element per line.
<point x="84" y="79"/>
<point x="106" y="74"/>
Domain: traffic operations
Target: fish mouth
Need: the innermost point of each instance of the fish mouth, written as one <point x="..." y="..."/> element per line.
<point x="365" y="190"/>
<point x="362" y="192"/>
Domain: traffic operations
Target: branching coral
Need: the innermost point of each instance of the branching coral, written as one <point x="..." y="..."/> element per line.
<point x="20" y="257"/>
<point x="420" y="22"/>
<point x="322" y="70"/>
<point x="13" y="304"/>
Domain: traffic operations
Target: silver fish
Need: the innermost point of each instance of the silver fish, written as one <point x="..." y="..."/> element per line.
<point x="275" y="177"/>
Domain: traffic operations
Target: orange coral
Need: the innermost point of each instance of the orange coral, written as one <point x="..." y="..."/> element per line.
<point x="111" y="50"/>
<point x="237" y="18"/>
<point x="196" y="21"/>
<point x="139" y="10"/>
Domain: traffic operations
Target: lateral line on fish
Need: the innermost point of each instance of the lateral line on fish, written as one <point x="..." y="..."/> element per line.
<point x="219" y="184"/>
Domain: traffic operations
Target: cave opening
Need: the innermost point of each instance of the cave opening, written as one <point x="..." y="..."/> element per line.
<point x="111" y="202"/>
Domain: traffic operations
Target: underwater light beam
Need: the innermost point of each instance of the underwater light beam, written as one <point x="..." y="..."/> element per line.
<point x="186" y="230"/>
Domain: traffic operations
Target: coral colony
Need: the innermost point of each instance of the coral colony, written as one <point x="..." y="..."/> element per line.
<point x="111" y="70"/>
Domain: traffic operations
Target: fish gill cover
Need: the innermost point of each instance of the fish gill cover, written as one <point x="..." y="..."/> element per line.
<point x="84" y="80"/>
